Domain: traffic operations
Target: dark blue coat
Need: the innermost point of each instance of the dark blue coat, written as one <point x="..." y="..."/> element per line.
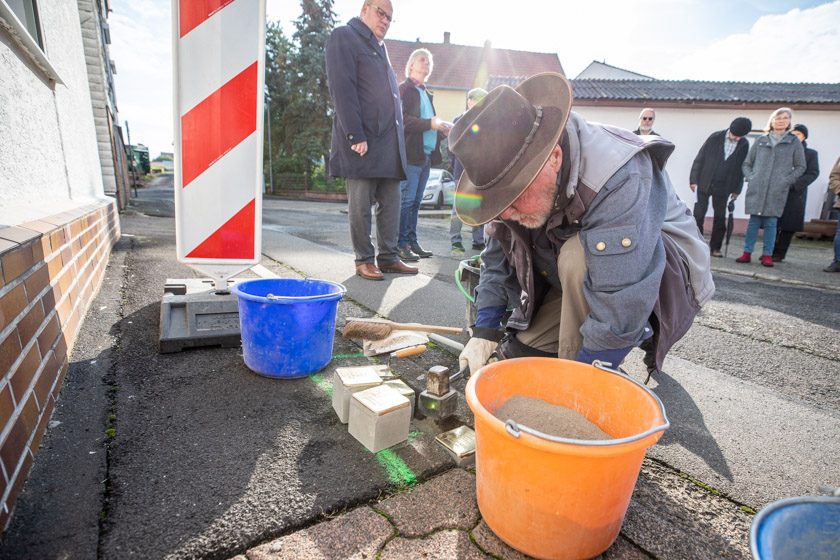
<point x="367" y="105"/>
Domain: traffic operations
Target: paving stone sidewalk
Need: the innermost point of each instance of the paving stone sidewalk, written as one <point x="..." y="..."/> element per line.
<point x="439" y="519"/>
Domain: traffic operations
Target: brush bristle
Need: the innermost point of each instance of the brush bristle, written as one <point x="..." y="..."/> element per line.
<point x="366" y="331"/>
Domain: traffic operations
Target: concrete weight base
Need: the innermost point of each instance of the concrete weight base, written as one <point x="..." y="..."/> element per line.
<point x="192" y="314"/>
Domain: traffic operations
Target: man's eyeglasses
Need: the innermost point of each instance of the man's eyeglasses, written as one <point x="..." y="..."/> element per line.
<point x="381" y="13"/>
<point x="647" y="118"/>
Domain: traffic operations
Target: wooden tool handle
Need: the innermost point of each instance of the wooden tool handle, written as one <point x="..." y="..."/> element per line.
<point x="427" y="328"/>
<point x="410" y="351"/>
<point x="408" y="326"/>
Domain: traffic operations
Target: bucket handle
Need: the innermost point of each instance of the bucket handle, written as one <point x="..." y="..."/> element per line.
<point x="515" y="429"/>
<point x="470" y="297"/>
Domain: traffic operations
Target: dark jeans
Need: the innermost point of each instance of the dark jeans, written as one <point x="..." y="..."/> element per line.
<point x="411" y="194"/>
<point x="719" y="201"/>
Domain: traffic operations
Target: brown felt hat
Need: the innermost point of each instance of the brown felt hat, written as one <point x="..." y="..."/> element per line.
<point x="504" y="141"/>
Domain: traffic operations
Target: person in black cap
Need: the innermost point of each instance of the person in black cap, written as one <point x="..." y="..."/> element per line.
<point x="716" y="173"/>
<point x="585" y="232"/>
<point x="793" y="217"/>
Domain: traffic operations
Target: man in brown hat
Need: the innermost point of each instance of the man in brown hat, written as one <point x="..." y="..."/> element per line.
<point x="587" y="238"/>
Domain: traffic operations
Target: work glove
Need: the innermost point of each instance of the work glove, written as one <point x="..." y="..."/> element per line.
<point x="476" y="353"/>
<point x="610" y="358"/>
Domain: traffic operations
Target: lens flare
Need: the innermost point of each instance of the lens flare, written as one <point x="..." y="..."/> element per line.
<point x="474" y="129"/>
<point x="467" y="201"/>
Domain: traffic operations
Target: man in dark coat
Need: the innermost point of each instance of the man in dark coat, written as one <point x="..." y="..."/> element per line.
<point x="793" y="217"/>
<point x="716" y="173"/>
<point x="368" y="147"/>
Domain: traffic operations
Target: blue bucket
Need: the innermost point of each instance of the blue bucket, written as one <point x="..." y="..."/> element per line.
<point x="288" y="325"/>
<point x="794" y="528"/>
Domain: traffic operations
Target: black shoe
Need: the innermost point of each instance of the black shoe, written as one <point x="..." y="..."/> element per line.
<point x="407" y="255"/>
<point x="833" y="267"/>
<point x="420" y="251"/>
<point x="478" y="246"/>
<point x="777" y="258"/>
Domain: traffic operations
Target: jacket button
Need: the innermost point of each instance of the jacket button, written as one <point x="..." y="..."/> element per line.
<point x="626" y="242"/>
<point x="600" y="246"/>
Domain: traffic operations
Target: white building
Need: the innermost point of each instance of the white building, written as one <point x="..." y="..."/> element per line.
<point x="688" y="111"/>
<point x="57" y="225"/>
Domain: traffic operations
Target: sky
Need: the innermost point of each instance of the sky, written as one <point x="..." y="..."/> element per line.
<point x="721" y="40"/>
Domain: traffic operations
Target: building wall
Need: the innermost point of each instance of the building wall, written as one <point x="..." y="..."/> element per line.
<point x="450" y="103"/>
<point x="688" y="128"/>
<point x="50" y="271"/>
<point x="49" y="157"/>
<point x="56" y="232"/>
<point x="96" y="59"/>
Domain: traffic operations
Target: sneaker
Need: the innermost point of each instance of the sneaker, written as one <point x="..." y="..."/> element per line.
<point x="457" y="248"/>
<point x="407" y="255"/>
<point x="778" y="258"/>
<point x="745" y="258"/>
<point x="766" y="260"/>
<point x="833" y="267"/>
<point x="717" y="254"/>
<point x="479" y="246"/>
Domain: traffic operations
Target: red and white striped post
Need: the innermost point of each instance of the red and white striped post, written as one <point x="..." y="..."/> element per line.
<point x="218" y="80"/>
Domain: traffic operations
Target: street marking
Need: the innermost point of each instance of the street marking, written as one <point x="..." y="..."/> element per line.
<point x="348" y="356"/>
<point x="398" y="472"/>
<point x="321" y="383"/>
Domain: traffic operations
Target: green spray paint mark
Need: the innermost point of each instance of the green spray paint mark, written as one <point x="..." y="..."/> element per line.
<point x="396" y="469"/>
<point x="322" y="383"/>
<point x="348" y="356"/>
<point x="414" y="435"/>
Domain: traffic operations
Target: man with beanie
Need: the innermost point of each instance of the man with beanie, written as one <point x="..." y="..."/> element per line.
<point x="793" y="217"/>
<point x="585" y="233"/>
<point x="716" y="173"/>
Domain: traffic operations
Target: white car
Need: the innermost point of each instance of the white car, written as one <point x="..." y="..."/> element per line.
<point x="440" y="189"/>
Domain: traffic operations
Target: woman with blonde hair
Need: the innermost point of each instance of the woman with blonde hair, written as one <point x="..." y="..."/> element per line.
<point x="775" y="161"/>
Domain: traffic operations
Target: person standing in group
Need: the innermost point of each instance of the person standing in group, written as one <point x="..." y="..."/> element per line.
<point x="367" y="146"/>
<point x="474" y="96"/>
<point x="834" y="186"/>
<point x="716" y="173"/>
<point x="793" y="216"/>
<point x="646" y="118"/>
<point x="423" y="132"/>
<point x="775" y="161"/>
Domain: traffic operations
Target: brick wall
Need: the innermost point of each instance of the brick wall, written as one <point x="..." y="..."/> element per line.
<point x="50" y="270"/>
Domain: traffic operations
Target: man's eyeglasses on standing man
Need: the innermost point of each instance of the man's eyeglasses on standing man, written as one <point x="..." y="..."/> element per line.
<point x="381" y="13"/>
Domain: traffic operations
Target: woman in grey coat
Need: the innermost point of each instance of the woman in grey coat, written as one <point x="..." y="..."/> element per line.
<point x="775" y="161"/>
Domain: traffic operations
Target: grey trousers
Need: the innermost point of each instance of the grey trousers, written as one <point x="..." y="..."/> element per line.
<point x="556" y="325"/>
<point x="455" y="225"/>
<point x="362" y="194"/>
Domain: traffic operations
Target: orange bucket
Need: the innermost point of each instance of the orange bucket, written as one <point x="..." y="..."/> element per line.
<point x="553" y="497"/>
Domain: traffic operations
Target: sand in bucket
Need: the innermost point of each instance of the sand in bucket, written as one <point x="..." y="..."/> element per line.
<point x="549" y="418"/>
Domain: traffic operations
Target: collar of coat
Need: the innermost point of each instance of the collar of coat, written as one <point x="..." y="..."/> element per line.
<point x="359" y="27"/>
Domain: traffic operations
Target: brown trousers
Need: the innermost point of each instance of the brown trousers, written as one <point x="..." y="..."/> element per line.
<point x="555" y="327"/>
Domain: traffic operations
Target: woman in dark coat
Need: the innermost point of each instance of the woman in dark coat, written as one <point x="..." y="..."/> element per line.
<point x="774" y="163"/>
<point x="793" y="218"/>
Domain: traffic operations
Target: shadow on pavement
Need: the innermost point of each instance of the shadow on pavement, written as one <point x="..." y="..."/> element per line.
<point x="688" y="428"/>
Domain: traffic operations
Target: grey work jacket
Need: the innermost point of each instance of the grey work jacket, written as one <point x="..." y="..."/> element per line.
<point x="617" y="190"/>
